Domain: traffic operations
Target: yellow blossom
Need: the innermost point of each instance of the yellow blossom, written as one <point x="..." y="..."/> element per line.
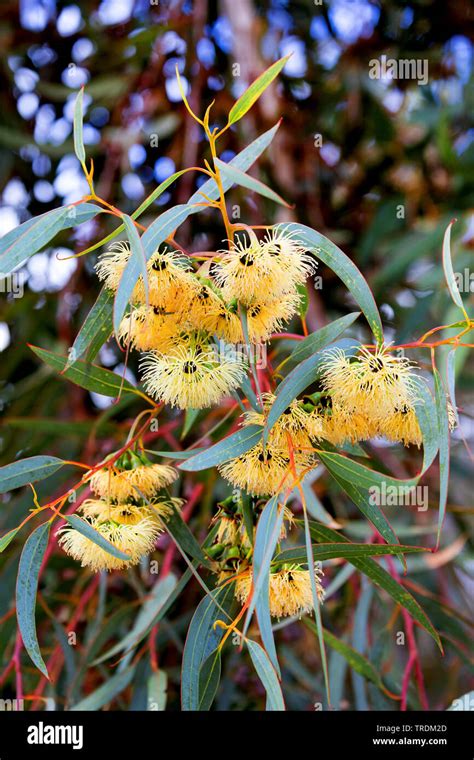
<point x="120" y="485"/>
<point x="192" y="376"/>
<point x="289" y="590"/>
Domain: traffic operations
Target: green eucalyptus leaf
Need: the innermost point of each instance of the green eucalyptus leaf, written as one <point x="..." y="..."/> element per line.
<point x="301" y="377"/>
<point x="156" y="691"/>
<point x="329" y="253"/>
<point x="88" y="376"/>
<point x="235" y="176"/>
<point x="379" y="577"/>
<point x="85" y="529"/>
<point x="443" y="424"/>
<point x="320" y="339"/>
<point x="362" y="498"/>
<point x="209" y="678"/>
<point x="233" y="446"/>
<point x="78" y="121"/>
<point x="107" y="692"/>
<point x="201" y="641"/>
<point x="427" y="416"/>
<point x="26" y="588"/>
<point x="183" y="537"/>
<point x="266" y="673"/>
<point x="323" y="552"/>
<point x="28" y="238"/>
<point x="357" y="661"/>
<point x="303" y="305"/>
<point x="137" y="251"/>
<point x="316" y="605"/>
<point x="252" y="93"/>
<point x="7" y="539"/>
<point x="190" y="417"/>
<point x="95" y="330"/>
<point x="28" y="470"/>
<point x="448" y="268"/>
<point x="150" y="613"/>
<point x="266" y="538"/>
<point x="451" y="380"/>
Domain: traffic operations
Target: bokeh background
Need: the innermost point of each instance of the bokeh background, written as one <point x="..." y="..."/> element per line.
<point x="378" y="165"/>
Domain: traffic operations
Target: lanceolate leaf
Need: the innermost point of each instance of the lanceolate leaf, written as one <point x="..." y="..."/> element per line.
<point x="322" y="552"/>
<point x="96" y="329"/>
<point x="357" y="661"/>
<point x="346" y="270"/>
<point x="202" y="639"/>
<point x="320" y="339"/>
<point x="177" y="454"/>
<point x="267" y="675"/>
<point x="156" y="691"/>
<point x="380" y="577"/>
<point x="245" y="180"/>
<point x="443" y="424"/>
<point x="252" y="93"/>
<point x="86" y="529"/>
<point x="266" y="538"/>
<point x="384" y="580"/>
<point x="190" y="417"/>
<point x="359" y="639"/>
<point x="303" y="305"/>
<point x="181" y="534"/>
<point x="27" y="471"/>
<point x="26" y="588"/>
<point x="209" y="677"/>
<point x="299" y="379"/>
<point x="142" y="207"/>
<point x="249" y="394"/>
<point x="88" y="376"/>
<point x="369" y="508"/>
<point x="451" y="380"/>
<point x="233" y="446"/>
<point x="316" y="605"/>
<point x="448" y="267"/>
<point x="7" y="539"/>
<point x="242" y="160"/>
<point x="30" y="237"/>
<point x="146" y="618"/>
<point x="361" y="475"/>
<point x="107" y="692"/>
<point x="167" y="222"/>
<point x="137" y="250"/>
<point x="78" y="119"/>
<point x="426" y="414"/>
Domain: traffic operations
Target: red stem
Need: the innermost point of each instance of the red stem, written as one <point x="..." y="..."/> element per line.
<point x="414" y="657"/>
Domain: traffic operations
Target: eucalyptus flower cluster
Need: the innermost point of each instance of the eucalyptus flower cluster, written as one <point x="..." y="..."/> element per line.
<point x="178" y="317"/>
<point x="290" y="592"/>
<point x="127" y="511"/>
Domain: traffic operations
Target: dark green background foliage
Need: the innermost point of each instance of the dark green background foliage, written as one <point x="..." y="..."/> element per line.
<point x="394" y="166"/>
